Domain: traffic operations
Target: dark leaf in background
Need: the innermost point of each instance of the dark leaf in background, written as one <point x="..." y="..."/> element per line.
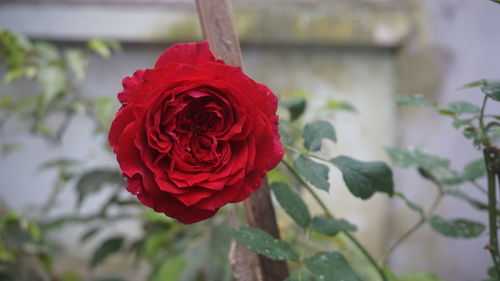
<point x="107" y="248"/>
<point x="263" y="243"/>
<point x="315" y="132"/>
<point x="296" y="107"/>
<point x="292" y="203"/>
<point x="89" y="234"/>
<point x="365" y="178"/>
<point x="94" y="180"/>
<point x="314" y="172"/>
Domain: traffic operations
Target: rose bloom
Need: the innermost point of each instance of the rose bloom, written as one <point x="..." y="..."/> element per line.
<point x="194" y="133"/>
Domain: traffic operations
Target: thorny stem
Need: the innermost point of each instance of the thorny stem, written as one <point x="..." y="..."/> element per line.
<point x="491" y="157"/>
<point x="492" y="212"/>
<point x="328" y="213"/>
<point x="308" y="154"/>
<point x="423" y="219"/>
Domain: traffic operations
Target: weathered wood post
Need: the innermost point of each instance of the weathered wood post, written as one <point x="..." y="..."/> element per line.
<point x="218" y="29"/>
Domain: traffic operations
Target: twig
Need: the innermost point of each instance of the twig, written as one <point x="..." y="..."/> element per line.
<point x="328" y="213"/>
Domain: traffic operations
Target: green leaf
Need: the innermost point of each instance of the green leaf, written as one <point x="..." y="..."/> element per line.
<point x="331" y="266"/>
<point x="92" y="181"/>
<point x="263" y="243"/>
<point x="12" y="74"/>
<point x="492" y="90"/>
<point x="462" y="107"/>
<point x="296" y="107"/>
<point x="365" y="178"/>
<point x="53" y="81"/>
<point x="413" y="206"/>
<point x="339" y="105"/>
<point x="275" y="175"/>
<point x="314" y="132"/>
<point x="418" y="276"/>
<point x="458" y="228"/>
<point x="414" y="157"/>
<point x="100" y="47"/>
<point x="71" y="276"/>
<point x="494" y="131"/>
<point x="331" y="226"/>
<point x="300" y="273"/>
<point x="457" y="123"/>
<point x="9" y="147"/>
<point x="428" y="175"/>
<point x="47" y="51"/>
<point x="292" y="203"/>
<point x="59" y="163"/>
<point x="474" y="170"/>
<point x="104" y="113"/>
<point x="169" y="269"/>
<point x="492" y="273"/>
<point x="218" y="248"/>
<point x="153" y="244"/>
<point x="474" y="84"/>
<point x="314" y="172"/>
<point x="414" y="100"/>
<point x="107" y="248"/>
<point x="285" y="135"/>
<point x="472" y="201"/>
<point x="89" y="234"/>
<point x="77" y="61"/>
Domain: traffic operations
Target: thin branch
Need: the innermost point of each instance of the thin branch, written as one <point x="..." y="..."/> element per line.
<point x="328" y="213"/>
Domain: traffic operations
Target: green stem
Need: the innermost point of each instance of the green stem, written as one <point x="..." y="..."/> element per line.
<point x="308" y="154"/>
<point x="308" y="187"/>
<point x="492" y="211"/>
<point x="479" y="187"/>
<point x="414" y="228"/>
<point x="328" y="213"/>
<point x="491" y="155"/>
<point x="487" y="140"/>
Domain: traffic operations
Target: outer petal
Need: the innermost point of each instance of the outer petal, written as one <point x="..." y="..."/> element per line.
<point x="187" y="53"/>
<point x="130" y="85"/>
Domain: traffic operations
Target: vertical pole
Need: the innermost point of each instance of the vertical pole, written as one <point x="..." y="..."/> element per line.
<point x="218" y="29"/>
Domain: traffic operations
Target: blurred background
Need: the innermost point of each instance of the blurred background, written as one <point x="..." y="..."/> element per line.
<point x="363" y="53"/>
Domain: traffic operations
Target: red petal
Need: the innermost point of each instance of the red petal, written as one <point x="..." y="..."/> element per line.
<point x="187" y="53"/>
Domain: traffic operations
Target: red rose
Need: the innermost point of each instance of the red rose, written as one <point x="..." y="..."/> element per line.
<point x="194" y="133"/>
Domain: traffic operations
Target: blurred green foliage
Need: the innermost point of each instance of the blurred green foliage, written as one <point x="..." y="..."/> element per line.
<point x="40" y="95"/>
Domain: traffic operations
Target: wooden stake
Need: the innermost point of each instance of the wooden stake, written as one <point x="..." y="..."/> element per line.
<point x="218" y="29"/>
